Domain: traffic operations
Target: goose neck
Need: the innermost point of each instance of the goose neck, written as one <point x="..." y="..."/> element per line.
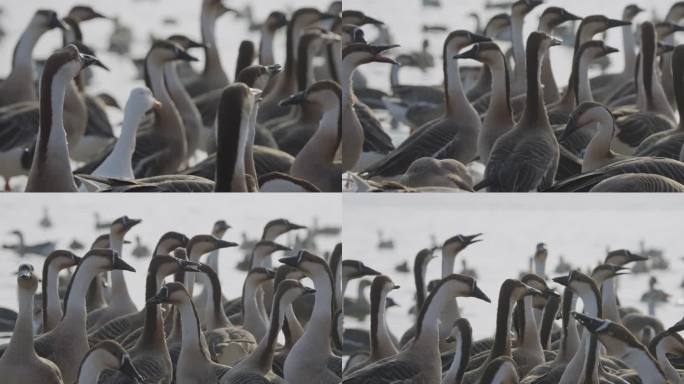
<point x="266" y="54"/>
<point x="322" y="146"/>
<point x="531" y="340"/>
<point x="628" y="44"/>
<point x="502" y="338"/>
<point x="499" y="103"/>
<point x="518" y="46"/>
<point x="427" y="325"/>
<point x="120" y="294"/>
<point x="293" y="326"/>
<point x="250" y="306"/>
<point x="192" y="341"/>
<point x="381" y="340"/>
<point x="167" y="120"/>
<point x="609" y="301"/>
<point x="21" y="343"/>
<point x="75" y="301"/>
<point x="125" y="144"/>
<point x="535" y="110"/>
<point x="646" y="367"/>
<point x="52" y="309"/>
<point x="230" y="157"/>
<point x="212" y="64"/>
<point x="670" y="371"/>
<point x="92" y="366"/>
<point x="262" y="357"/>
<point x="583" y="87"/>
<point x="457" y="103"/>
<point x="599" y="146"/>
<point x="190" y="115"/>
<point x="459" y="363"/>
<point x="216" y="317"/>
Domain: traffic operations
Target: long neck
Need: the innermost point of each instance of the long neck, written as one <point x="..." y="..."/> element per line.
<point x="551" y="93"/>
<point x="193" y="340"/>
<point x="52" y="308"/>
<point x="457" y="103"/>
<point x="190" y="115"/>
<point x="125" y="144"/>
<point x="266" y="55"/>
<point x="321" y="147"/>
<point x="499" y="110"/>
<point x="250" y="308"/>
<point x="262" y="357"/>
<point x="120" y="294"/>
<point x="502" y="338"/>
<point x="599" y="146"/>
<point x="678" y="85"/>
<point x="670" y="371"/>
<point x="448" y="261"/>
<point x="583" y="86"/>
<point x="547" y="322"/>
<point x="530" y="340"/>
<point x="460" y="361"/>
<point x="293" y="329"/>
<point x="534" y="115"/>
<point x="21" y="76"/>
<point x="646" y="367"/>
<point x="628" y="45"/>
<point x="21" y="343"/>
<point x="319" y="327"/>
<point x="518" y="48"/>
<point x="609" y="301"/>
<point x="427" y="336"/>
<point x="153" y="327"/>
<point x="230" y="157"/>
<point x="168" y="121"/>
<point x="212" y="65"/>
<point x="381" y="344"/>
<point x="75" y="301"/>
<point x="216" y="317"/>
<point x="419" y="277"/>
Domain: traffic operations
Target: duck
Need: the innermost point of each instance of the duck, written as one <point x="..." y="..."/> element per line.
<point x="531" y="132"/>
<point x="20" y="362"/>
<point x="421" y="361"/>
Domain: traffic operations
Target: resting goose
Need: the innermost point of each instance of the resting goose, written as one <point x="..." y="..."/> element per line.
<point x="194" y="364"/>
<point x="50" y="169"/>
<point x="107" y="355"/>
<point x="527" y="156"/>
<point x="52" y="306"/>
<point x="19" y="85"/>
<point x="454" y="134"/>
<point x="118" y="163"/>
<point x="636" y="355"/>
<point x="420" y="362"/>
<point x="19" y="363"/>
<point x="67" y="343"/>
<point x="257" y="366"/>
<point x="120" y="302"/>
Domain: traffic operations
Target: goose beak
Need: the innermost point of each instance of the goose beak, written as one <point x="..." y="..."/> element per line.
<point x="379" y="58"/>
<point x="280" y="247"/>
<point x="370" y="20"/>
<point x="567" y="16"/>
<point x="185" y="56"/>
<point x="562" y="280"/>
<point x="189" y="266"/>
<point x="612" y="23"/>
<point x="55" y="22"/>
<point x="472" y="239"/>
<point x="665" y="48"/>
<point x="274" y="69"/>
<point x="98" y="15"/>
<point x="396" y="287"/>
<point x="610" y="50"/>
<point x="292" y="261"/>
<point x="368" y="271"/>
<point x="293" y="226"/>
<point x="469" y="54"/>
<point x="156" y="299"/>
<point x="157" y="105"/>
<point x="555" y="42"/>
<point x="475" y="38"/>
<point x="119" y="264"/>
<point x="296" y="99"/>
<point x="478" y="294"/>
<point x="130" y="223"/>
<point x="225" y="244"/>
<point x="534" y="291"/>
<point x="88" y="60"/>
<point x="128" y="369"/>
<point x="195" y="44"/>
<point x="635" y="257"/>
<point x="590" y="323"/>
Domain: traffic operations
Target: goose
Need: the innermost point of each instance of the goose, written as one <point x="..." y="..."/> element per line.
<point x="194" y="363"/>
<point x="511" y="291"/>
<point x="519" y="10"/>
<point x="315" y="162"/>
<point x="19" y="362"/>
<point x="450" y="249"/>
<point x="454" y="134"/>
<point x="381" y="343"/>
<point x="619" y="257"/>
<point x="362" y="132"/>
<point x="45" y="222"/>
<point x="669" y="143"/>
<point x="51" y="305"/>
<point x="22" y="249"/>
<point x="150" y="354"/>
<point x="286" y="83"/>
<point x="213" y="76"/>
<point x="584" y="365"/>
<point x="99" y="291"/>
<point x="498" y="118"/>
<point x="252" y="316"/>
<point x="198" y="246"/>
<point x="673" y="17"/>
<point x="55" y="175"/>
<point x="500" y="371"/>
<point x="275" y="21"/>
<point x="654" y="296"/>
<point x="71" y="330"/>
<point x="598" y="152"/>
<point x="636" y="354"/>
<point x="531" y="139"/>
<point x="462" y="335"/>
<point x="227" y="343"/>
<point x="107" y="355"/>
<point x="589" y="51"/>
<point x="257" y="366"/>
<point x="120" y="303"/>
<point x="118" y="163"/>
<point x="292" y="329"/>
<point x="666" y="343"/>
<point x="19" y="85"/>
<point x="551" y="18"/>
<point x="310" y="357"/>
<point x="218" y="230"/>
<point x="420" y="361"/>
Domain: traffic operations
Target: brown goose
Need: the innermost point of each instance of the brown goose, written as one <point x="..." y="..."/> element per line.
<point x="275" y="21"/>
<point x="551" y="18"/>
<point x="674" y="16"/>
<point x="107" y="355"/>
<point x="52" y="306"/>
<point x="519" y="10"/>
<point x="526" y="157"/>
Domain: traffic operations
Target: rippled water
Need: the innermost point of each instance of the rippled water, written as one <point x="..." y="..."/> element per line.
<point x="580" y="228"/>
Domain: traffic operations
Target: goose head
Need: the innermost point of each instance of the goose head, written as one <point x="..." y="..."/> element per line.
<point x="170" y="241"/>
<point x="608" y="330"/>
<point x="623" y="257"/>
<point x="676" y="12"/>
<point x="541" y="252"/>
<point x="516" y="290"/>
<point x="26" y="278"/>
<point x="104" y="260"/>
<point x="45" y="20"/>
<point x="352" y="34"/>
<point x="289" y="290"/>
<point x="589" y="113"/>
<point x="498" y="25"/>
<point x="596" y="49"/>
<point x="358" y="18"/>
<point x="67" y="62"/>
<point x="631" y="11"/>
<point x="173" y="293"/>
<point x="354" y="269"/>
<point x="165" y="51"/>
<point x="309" y="263"/>
<point x="323" y="94"/>
<point x="555" y="16"/>
<point x="140" y="101"/>
<point x="488" y="53"/>
<point x="539" y="284"/>
<point x="607" y="271"/>
<point x="186" y="42"/>
<point x="165" y="265"/>
<point x="122" y="225"/>
<point x="111" y="355"/>
<point x="267" y="247"/>
<point x="275" y="21"/>
<point x="220" y="228"/>
<point x="461" y="328"/>
<point x="383" y="284"/>
<point x="357" y="54"/>
<point x="202" y="244"/>
<point x="258" y="276"/>
<point x="216" y="8"/>
<point x="277" y="227"/>
<point x="62" y="259"/>
<point x="456" y="244"/>
<point x="461" y="286"/>
<point x="665" y="29"/>
<point x="578" y="283"/>
<point x="81" y="13"/>
<point x="258" y="76"/>
<point x="457" y="40"/>
<point x="591" y="25"/>
<point x="521" y="8"/>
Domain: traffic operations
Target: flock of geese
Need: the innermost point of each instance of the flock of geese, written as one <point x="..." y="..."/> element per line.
<point x="606" y="342"/>
<point x="617" y="132"/>
<point x="83" y="327"/>
<point x="276" y="128"/>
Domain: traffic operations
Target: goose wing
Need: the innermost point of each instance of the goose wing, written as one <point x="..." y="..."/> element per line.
<point x="247" y="378"/>
<point x="19" y="125"/>
<point x="518" y="166"/>
<point x="207" y="104"/>
<point x="266" y="160"/>
<point x="635" y="127"/>
<point x="385" y="372"/>
<point x="116" y="329"/>
<point x="375" y="138"/>
<point x="98" y="122"/>
<point x="426" y="142"/>
<point x="638" y="182"/>
<point x="662" y="145"/>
